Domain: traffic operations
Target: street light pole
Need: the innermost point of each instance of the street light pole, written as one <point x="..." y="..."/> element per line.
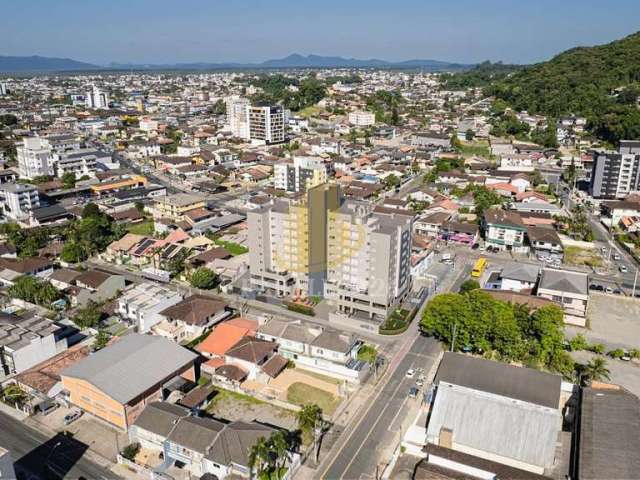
<point x="635" y="279"/>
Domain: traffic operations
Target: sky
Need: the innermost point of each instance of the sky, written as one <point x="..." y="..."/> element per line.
<point x="170" y="31"/>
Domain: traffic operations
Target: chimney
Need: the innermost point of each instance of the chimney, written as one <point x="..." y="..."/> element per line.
<point x="446" y="438"/>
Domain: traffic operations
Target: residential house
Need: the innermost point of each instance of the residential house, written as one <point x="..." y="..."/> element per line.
<point x="12" y="268"/>
<point x="519" y="277"/>
<point x="96" y="286"/>
<point x="545" y="241"/>
<point x="504" y="230"/>
<point x="142" y="304"/>
<point x="431" y="225"/>
<point x="191" y="317"/>
<point x="460" y="232"/>
<point x="567" y="288"/>
<point x="117" y="382"/>
<point x="208" y="448"/>
<point x="324" y="351"/>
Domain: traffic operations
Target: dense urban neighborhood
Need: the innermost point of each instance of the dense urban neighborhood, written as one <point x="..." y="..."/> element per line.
<point x="322" y="272"/>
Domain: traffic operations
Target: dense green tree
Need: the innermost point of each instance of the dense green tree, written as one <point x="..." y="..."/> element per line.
<point x="469" y="285"/>
<point x="68" y="180"/>
<point x="33" y="290"/>
<point x="90" y="210"/>
<point x="580" y="81"/>
<point x="72" y="252"/>
<point x="204" y="279"/>
<point x="87" y="317"/>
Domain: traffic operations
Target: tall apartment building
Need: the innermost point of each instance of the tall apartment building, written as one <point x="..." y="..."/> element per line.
<point x="287" y="242"/>
<point x="323" y="245"/>
<point x="96" y="98"/>
<point x="266" y="123"/>
<point x="35" y="157"/>
<point x="369" y="259"/>
<point x="3" y="89"/>
<point x="17" y="200"/>
<point x="237" y="119"/>
<point x="300" y="175"/>
<point x="616" y="174"/>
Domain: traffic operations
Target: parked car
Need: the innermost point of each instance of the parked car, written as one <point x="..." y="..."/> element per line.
<point x="608" y="290"/>
<point x="475" y="246"/>
<point x="413" y="392"/>
<point x="72" y="417"/>
<point x="410" y="373"/>
<point x="616" y="257"/>
<point x="623" y="269"/>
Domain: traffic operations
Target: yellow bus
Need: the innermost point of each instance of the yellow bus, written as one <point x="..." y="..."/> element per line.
<point x="478" y="268"/>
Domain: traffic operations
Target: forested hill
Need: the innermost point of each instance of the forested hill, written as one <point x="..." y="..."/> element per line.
<point x="601" y="83"/>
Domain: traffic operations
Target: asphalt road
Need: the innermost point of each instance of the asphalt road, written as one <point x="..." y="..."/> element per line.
<point x="380" y="425"/>
<point x="37" y="456"/>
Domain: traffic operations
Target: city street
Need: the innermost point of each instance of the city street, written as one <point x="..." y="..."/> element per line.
<point x="38" y="456"/>
<point x="380" y="424"/>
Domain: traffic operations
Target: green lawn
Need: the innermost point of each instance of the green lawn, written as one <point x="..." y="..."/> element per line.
<point x="146" y="227"/>
<point x="223" y="395"/>
<point x="302" y="394"/>
<point x="233" y="248"/>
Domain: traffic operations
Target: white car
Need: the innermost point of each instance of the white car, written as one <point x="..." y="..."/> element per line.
<point x="623" y="269"/>
<point x="410" y="373"/>
<point x="616" y="256"/>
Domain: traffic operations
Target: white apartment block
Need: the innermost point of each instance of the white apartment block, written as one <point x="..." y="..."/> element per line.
<point x="81" y="162"/>
<point x="362" y="118"/>
<point x="17" y="200"/>
<point x="35" y="158"/>
<point x="300" y="175"/>
<point x="3" y="89"/>
<point x="368" y="260"/>
<point x="237" y="120"/>
<point x="28" y="342"/>
<point x="143" y="304"/>
<point x="266" y="124"/>
<point x="96" y="98"/>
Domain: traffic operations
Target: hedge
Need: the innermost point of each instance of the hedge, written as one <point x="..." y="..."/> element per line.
<point x="299" y="308"/>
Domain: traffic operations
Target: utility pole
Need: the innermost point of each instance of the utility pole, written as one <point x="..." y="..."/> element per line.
<point x="453" y="336"/>
<point x="635" y="279"/>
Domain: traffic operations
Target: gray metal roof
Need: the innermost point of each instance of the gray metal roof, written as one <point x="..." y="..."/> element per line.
<point x="235" y="442"/>
<point x="502" y="379"/>
<point x="521" y="272"/>
<point x="160" y="417"/>
<point x="495" y="424"/>
<point x="609" y="435"/>
<point x="132" y="365"/>
<point x="196" y="433"/>
<point x="564" y="281"/>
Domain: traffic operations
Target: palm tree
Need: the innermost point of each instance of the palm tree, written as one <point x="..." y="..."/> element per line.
<point x="310" y="421"/>
<point x="596" y="370"/>
<point x="259" y="457"/>
<point x="279" y="447"/>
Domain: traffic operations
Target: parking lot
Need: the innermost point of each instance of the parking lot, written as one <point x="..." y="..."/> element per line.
<point x="612" y="320"/>
<point x="99" y="436"/>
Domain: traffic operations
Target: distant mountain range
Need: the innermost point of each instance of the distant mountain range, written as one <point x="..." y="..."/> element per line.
<point x="41" y="64"/>
<point x="48" y="64"/>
